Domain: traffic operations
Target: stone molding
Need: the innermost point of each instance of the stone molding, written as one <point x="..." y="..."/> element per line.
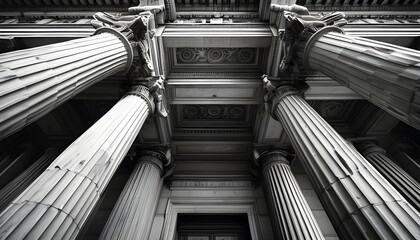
<point x="160" y="157"/>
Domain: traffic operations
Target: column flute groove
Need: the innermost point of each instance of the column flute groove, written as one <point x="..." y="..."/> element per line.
<point x="387" y="75"/>
<point x="401" y="180"/>
<point x="290" y="214"/>
<point x="57" y="203"/>
<point x="132" y="215"/>
<point x="35" y="81"/>
<point x="361" y="203"/>
<point x="15" y="187"/>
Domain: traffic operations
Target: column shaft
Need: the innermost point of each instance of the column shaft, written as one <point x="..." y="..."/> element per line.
<point x="404" y="183"/>
<point x="35" y="81"/>
<point x="58" y="202"/>
<point x="361" y="203"/>
<point x="385" y="74"/>
<point x="290" y="213"/>
<point x="132" y="216"/>
<point x="17" y="185"/>
<point x="15" y="165"/>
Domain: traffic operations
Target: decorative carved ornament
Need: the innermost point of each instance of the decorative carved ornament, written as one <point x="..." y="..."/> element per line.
<point x="136" y="28"/>
<point x="216" y="55"/>
<point x="299" y="27"/>
<point x="235" y="112"/>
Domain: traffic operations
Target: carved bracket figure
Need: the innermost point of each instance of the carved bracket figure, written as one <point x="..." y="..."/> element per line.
<point x="300" y="25"/>
<point x="138" y="29"/>
<point x="156" y="86"/>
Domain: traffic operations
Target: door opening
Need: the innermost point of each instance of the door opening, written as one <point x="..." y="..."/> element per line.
<point x="213" y="227"/>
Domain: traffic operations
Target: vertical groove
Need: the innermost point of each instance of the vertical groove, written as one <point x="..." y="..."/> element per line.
<point x="35" y="81"/>
<point x="387" y="75"/>
<point x="15" y="187"/>
<point x="58" y="202"/>
<point x="401" y="180"/>
<point x="132" y="215"/>
<point x="291" y="216"/>
<point x="361" y="203"/>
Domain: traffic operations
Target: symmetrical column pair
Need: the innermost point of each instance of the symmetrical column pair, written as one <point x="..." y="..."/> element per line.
<point x="361" y="203"/>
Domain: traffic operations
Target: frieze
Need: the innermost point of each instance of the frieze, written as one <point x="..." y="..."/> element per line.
<point x="216" y="55"/>
<point x="235" y="112"/>
<point x="214" y="74"/>
<point x="212" y="184"/>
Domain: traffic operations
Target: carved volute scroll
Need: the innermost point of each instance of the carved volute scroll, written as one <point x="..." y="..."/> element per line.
<point x="137" y="29"/>
<point x="152" y="89"/>
<point x="299" y="27"/>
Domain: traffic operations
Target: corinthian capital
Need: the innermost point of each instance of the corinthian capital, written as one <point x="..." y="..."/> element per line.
<point x="277" y="89"/>
<point x="152" y="89"/>
<point x="298" y="27"/>
<point x="135" y="29"/>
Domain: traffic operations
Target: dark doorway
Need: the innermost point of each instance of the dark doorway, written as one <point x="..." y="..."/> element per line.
<point x="213" y="227"/>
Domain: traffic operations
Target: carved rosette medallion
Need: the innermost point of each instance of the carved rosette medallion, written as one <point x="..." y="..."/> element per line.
<point x="214" y="112"/>
<point x="216" y="55"/>
<point x="333" y="108"/>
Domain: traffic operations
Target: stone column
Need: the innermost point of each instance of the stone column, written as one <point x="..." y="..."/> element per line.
<point x="290" y="213"/>
<point x="359" y="201"/>
<point x="13" y="165"/>
<point x="35" y="81"/>
<point x="385" y="74"/>
<point x="132" y="216"/>
<point x="404" y="183"/>
<point x="17" y="185"/>
<point x="58" y="202"/>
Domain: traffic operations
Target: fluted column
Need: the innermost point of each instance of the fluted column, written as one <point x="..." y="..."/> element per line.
<point x="18" y="184"/>
<point x="404" y="183"/>
<point x="289" y="212"/>
<point x="132" y="216"/>
<point x="35" y="81"/>
<point x="58" y="202"/>
<point x="359" y="201"/>
<point x="13" y="165"/>
<point x="385" y="74"/>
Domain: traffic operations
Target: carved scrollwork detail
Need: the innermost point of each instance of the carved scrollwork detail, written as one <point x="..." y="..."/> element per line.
<point x="216" y="55"/>
<point x="214" y="112"/>
<point x="275" y="93"/>
<point x="245" y="55"/>
<point x="333" y="108"/>
<point x="152" y="90"/>
<point x="137" y="29"/>
<point x="157" y="88"/>
<point x="188" y="55"/>
<point x="300" y="26"/>
<point x="161" y="157"/>
<point x="263" y="160"/>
